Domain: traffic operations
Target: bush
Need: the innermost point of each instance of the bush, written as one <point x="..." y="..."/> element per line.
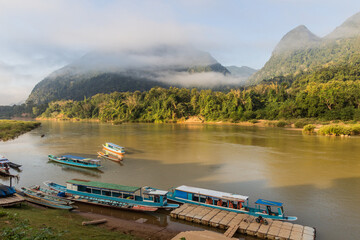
<point x="281" y="123"/>
<point x="335" y="130"/>
<point x="253" y="121"/>
<point x="309" y="128"/>
<point x="301" y="123"/>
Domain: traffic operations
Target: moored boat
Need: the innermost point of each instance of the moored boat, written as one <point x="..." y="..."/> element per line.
<point x="48" y="204"/>
<point x="39" y="195"/>
<point x="76" y="161"/>
<point x="4" y="164"/>
<point x="14" y="165"/>
<point x="134" y="196"/>
<point x="117" y="158"/>
<point x="228" y="201"/>
<point x="113" y="148"/>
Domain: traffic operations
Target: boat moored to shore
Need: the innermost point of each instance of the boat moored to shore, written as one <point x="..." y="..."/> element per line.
<point x="130" y="195"/>
<point x="228" y="201"/>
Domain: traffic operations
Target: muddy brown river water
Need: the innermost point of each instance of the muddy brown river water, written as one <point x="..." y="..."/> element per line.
<point x="317" y="177"/>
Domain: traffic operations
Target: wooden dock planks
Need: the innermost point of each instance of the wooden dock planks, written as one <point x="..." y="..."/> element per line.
<point x="243" y="223"/>
<point x="12" y="200"/>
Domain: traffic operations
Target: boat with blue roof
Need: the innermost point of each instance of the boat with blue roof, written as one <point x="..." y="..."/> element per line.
<point x="113" y="148"/>
<point x="229" y="202"/>
<point x="143" y="198"/>
<point x="76" y="161"/>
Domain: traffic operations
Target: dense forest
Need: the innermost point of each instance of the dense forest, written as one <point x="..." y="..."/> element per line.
<point x="329" y="94"/>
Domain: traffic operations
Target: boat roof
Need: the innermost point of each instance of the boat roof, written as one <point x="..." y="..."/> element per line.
<point x="152" y="191"/>
<point x="268" y="203"/>
<point x="110" y="186"/>
<point x="2" y="158"/>
<point x="114" y="145"/>
<point x="74" y="157"/>
<point x="213" y="193"/>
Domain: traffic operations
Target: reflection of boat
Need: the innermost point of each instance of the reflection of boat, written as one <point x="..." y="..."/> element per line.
<point x="76" y="161"/>
<point x="113" y="148"/>
<point x="145" y="196"/>
<point x="116" y="158"/>
<point x="228" y="201"/>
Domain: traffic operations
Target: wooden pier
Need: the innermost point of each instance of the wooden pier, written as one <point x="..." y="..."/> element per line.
<point x="12" y="200"/>
<point x="243" y="223"/>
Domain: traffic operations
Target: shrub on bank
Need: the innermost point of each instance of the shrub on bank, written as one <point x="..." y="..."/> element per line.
<point x="309" y="128"/>
<point x="281" y="123"/>
<point x="335" y="130"/>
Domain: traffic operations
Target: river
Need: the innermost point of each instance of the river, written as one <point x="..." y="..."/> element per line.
<point x="317" y="177"/>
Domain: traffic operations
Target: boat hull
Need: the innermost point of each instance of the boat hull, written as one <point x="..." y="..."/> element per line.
<point x="74" y="164"/>
<point x="118" y="152"/>
<point x="62" y="188"/>
<point x="105" y="156"/>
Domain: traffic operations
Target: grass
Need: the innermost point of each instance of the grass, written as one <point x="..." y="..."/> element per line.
<point x="32" y="223"/>
<point x="10" y="129"/>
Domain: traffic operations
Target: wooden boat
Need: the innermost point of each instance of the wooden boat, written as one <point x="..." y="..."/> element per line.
<point x="41" y="196"/>
<point x="76" y="161"/>
<point x="134" y="196"/>
<point x="118" y="158"/>
<point x="113" y="148"/>
<point x="14" y="165"/>
<point x="51" y="194"/>
<point x="48" y="204"/>
<point x="228" y="201"/>
<point x="4" y="164"/>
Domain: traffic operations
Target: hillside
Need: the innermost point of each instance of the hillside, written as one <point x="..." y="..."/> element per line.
<point x="241" y="72"/>
<point x="302" y="51"/>
<point x="109" y="71"/>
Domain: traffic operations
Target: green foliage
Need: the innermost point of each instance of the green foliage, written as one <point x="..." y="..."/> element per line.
<point x="281" y="123"/>
<point x="335" y="130"/>
<point x="10" y="129"/>
<point x="309" y="128"/>
<point x="301" y="123"/>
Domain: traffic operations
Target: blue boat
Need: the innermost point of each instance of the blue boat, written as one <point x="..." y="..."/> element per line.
<point x="76" y="161"/>
<point x="229" y="202"/>
<point x="136" y="196"/>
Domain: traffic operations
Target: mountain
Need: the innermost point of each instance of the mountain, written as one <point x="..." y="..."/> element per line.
<point x="242" y="72"/>
<point x="301" y="51"/>
<point x="298" y="38"/>
<point x="350" y="28"/>
<point x="109" y="71"/>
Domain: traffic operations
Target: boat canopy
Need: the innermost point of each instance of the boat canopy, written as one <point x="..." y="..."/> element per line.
<point x="110" y="186"/>
<point x="155" y="192"/>
<point x="74" y="157"/>
<point x="114" y="145"/>
<point x="212" y="193"/>
<point x="268" y="203"/>
<point x="4" y="159"/>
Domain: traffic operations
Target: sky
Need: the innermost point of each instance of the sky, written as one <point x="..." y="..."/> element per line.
<point x="40" y="36"/>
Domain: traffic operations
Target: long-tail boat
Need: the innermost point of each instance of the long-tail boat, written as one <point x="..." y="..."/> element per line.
<point x="76" y="161"/>
<point x="113" y="148"/>
<point x="228" y="201"/>
<point x="134" y="196"/>
<point x="117" y="158"/>
<point x="45" y="200"/>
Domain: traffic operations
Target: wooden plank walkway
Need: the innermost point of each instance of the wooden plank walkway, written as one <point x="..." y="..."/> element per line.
<point x="243" y="223"/>
<point x="12" y="200"/>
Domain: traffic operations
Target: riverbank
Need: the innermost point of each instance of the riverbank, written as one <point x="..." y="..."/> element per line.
<point x="28" y="222"/>
<point x="10" y="129"/>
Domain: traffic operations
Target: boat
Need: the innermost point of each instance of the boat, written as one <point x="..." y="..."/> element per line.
<point x="76" y="161"/>
<point x="113" y="148"/>
<point x="41" y="196"/>
<point x="135" y="196"/>
<point x="4" y="164"/>
<point x="14" y="165"/>
<point x="228" y="201"/>
<point x="117" y="158"/>
<point x="48" y="204"/>
<point x="51" y="194"/>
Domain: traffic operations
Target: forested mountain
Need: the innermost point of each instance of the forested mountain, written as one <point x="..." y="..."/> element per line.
<point x="242" y="72"/>
<point x="109" y="71"/>
<point x="301" y="51"/>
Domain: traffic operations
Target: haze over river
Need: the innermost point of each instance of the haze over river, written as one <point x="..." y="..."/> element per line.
<point x="317" y="177"/>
